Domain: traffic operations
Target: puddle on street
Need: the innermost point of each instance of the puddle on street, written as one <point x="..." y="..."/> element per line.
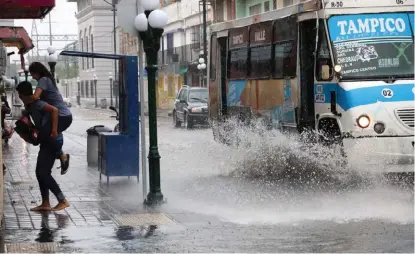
<point x="88" y="239"/>
<point x="274" y="178"/>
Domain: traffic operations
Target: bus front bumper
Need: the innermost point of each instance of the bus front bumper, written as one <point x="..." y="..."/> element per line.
<point x="381" y="154"/>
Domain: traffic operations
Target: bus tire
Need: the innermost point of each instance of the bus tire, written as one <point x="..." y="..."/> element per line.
<point x="330" y="136"/>
<point x="329" y="131"/>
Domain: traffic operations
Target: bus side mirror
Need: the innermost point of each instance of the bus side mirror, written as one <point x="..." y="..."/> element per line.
<point x="325" y="72"/>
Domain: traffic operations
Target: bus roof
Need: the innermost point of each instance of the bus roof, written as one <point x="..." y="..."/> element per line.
<point x="25" y="9"/>
<point x="325" y="8"/>
<point x="336" y="4"/>
<point x="306" y="6"/>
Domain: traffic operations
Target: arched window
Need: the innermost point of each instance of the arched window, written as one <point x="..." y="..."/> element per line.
<point x="86" y="47"/>
<point x="91" y="42"/>
<point x="81" y="43"/>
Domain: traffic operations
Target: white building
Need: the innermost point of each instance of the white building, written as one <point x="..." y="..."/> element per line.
<point x="181" y="48"/>
<point x="96" y="34"/>
<point x="183" y="39"/>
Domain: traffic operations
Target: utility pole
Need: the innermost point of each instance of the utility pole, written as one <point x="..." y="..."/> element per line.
<point x="115" y="48"/>
<point x="50" y="31"/>
<point x="140" y="54"/>
<point x="204" y="39"/>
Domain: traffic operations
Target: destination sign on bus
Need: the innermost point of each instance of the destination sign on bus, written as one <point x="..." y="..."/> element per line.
<point x="373" y="45"/>
<point x="340" y="4"/>
<point x="238" y="37"/>
<point x="369" y="26"/>
<point x="261" y="33"/>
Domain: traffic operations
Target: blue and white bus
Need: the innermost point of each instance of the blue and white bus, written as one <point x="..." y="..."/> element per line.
<point x="343" y="68"/>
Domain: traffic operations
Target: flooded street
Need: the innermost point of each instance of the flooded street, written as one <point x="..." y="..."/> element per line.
<point x="220" y="199"/>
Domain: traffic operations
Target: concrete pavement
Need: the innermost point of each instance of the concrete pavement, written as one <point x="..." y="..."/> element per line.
<point x="208" y="209"/>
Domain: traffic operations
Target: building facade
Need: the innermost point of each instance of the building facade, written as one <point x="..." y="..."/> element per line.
<point x="95" y="34"/>
<point x="245" y="8"/>
<point x="181" y="47"/>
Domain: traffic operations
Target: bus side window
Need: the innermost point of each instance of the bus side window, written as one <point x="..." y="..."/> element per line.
<point x="260" y="61"/>
<point x="323" y="56"/>
<point x="285" y="48"/>
<point x="238" y="63"/>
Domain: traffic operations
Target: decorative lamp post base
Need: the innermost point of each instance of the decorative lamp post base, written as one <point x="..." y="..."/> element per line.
<point x="154" y="199"/>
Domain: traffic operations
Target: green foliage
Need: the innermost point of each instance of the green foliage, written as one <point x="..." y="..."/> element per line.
<point x="67" y="70"/>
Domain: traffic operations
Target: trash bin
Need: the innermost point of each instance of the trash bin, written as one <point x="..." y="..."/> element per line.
<point x="92" y="143"/>
<point x="103" y="103"/>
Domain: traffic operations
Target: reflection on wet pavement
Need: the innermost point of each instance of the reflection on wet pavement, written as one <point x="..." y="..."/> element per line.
<point x="208" y="209"/>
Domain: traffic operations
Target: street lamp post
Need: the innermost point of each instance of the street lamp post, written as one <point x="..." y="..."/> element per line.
<point x="201" y="67"/>
<point x="150" y="26"/>
<point x="26" y="72"/>
<point x="95" y="90"/>
<point x="115" y="84"/>
<point x="78" y="93"/>
<point x="52" y="59"/>
<point x="114" y="13"/>
<point x="66" y="88"/>
<point x="111" y="88"/>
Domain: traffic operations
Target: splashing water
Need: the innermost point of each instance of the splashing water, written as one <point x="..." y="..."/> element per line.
<point x="265" y="176"/>
<point x="285" y="158"/>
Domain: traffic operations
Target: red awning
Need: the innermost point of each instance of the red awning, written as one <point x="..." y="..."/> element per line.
<point x="25" y="9"/>
<point x="16" y="37"/>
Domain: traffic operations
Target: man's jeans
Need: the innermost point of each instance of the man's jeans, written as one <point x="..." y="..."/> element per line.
<point x="45" y="161"/>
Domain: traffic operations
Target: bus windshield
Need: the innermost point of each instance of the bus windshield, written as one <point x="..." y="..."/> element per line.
<point x="373" y="46"/>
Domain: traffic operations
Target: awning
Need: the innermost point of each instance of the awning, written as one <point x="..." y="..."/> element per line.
<point x="25" y="9"/>
<point x="16" y="37"/>
<point x="182" y="71"/>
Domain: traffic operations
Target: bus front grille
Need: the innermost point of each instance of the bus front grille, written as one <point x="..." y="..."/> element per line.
<point x="406" y="116"/>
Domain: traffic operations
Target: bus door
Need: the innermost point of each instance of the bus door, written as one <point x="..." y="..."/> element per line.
<point x="325" y="88"/>
<point x="307" y="47"/>
<point x="223" y="60"/>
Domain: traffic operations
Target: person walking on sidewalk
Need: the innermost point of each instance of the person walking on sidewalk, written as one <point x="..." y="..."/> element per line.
<point x="44" y="115"/>
<point x="47" y="91"/>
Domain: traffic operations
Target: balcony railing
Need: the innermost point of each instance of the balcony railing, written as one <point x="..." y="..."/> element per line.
<point x="183" y="54"/>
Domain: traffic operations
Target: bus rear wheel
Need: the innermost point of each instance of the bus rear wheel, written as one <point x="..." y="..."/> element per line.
<point x="330" y="136"/>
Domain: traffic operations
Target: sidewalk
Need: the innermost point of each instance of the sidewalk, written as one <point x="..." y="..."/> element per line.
<point x="101" y="218"/>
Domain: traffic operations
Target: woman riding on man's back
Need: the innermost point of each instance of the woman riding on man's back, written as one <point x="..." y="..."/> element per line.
<point x="47" y="91"/>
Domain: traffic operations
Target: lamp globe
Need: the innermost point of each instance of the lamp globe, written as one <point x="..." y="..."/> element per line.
<point x="158" y="19"/>
<point x="141" y="22"/>
<point x="150" y="5"/>
<point x="51" y="50"/>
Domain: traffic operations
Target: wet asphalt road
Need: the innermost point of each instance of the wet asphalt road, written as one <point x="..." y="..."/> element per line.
<point x="216" y="209"/>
